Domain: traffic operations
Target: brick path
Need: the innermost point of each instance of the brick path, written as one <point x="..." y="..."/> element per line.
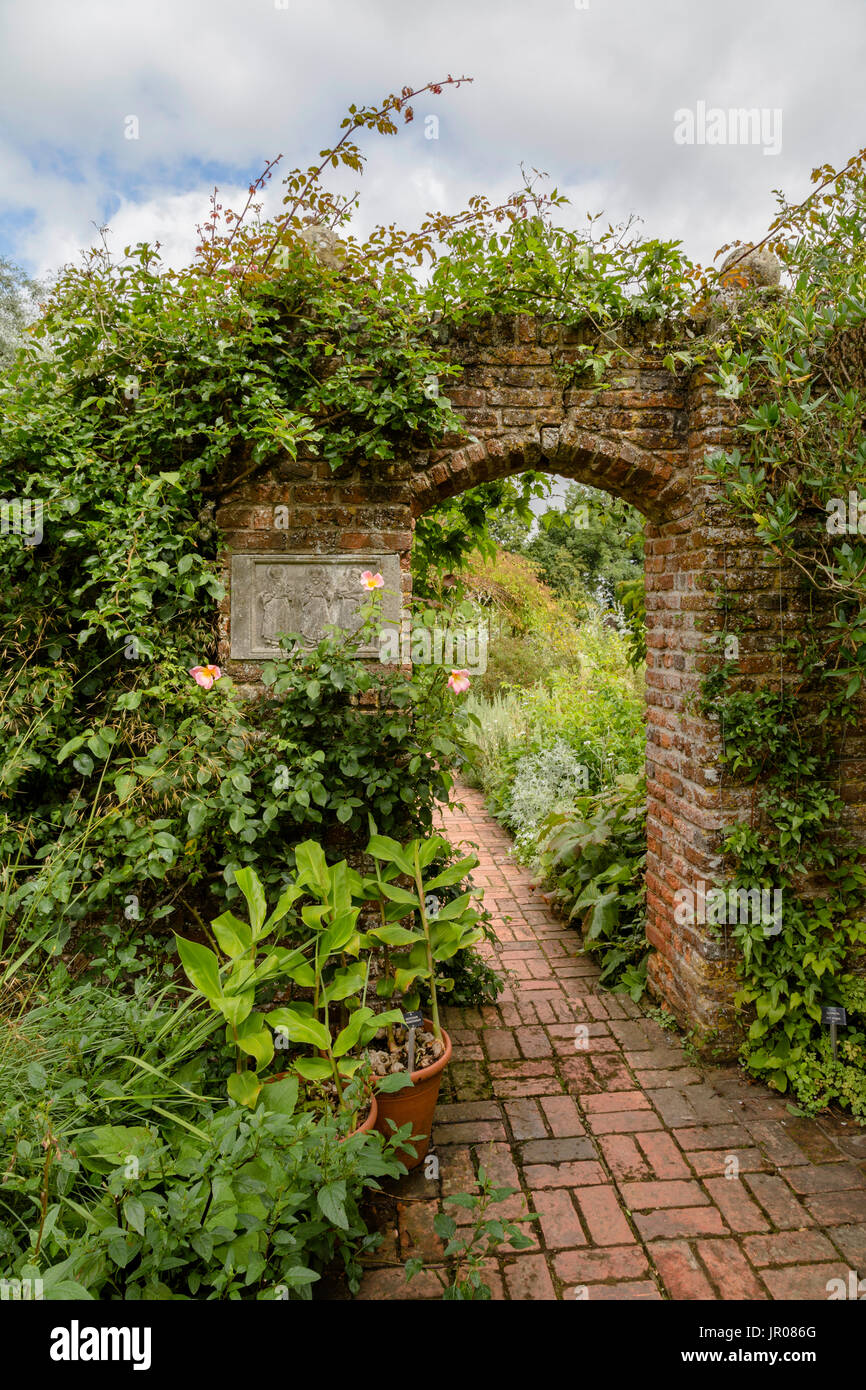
<point x="622" y="1146"/>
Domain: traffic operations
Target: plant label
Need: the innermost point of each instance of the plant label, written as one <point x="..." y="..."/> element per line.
<point x="833" y="1014"/>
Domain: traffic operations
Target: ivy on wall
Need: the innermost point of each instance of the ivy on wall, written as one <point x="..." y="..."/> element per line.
<point x="794" y="362"/>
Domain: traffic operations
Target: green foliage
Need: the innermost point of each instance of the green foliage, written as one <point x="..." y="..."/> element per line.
<point x="250" y="1205"/>
<point x="445" y="928"/>
<point x="18" y="295"/>
<point x="594" y="542"/>
<point x="468" y="525"/>
<point x="335" y="1020"/>
<point x="603" y="275"/>
<point x="468" y="977"/>
<point x="800" y="445"/>
<point x="470" y="1245"/>
<point x="124" y="1178"/>
<point x="631" y="596"/>
<point x="181" y="786"/>
<point x="820" y="1079"/>
<point x="595" y="860"/>
<point x="574" y="732"/>
<point x="531" y="631"/>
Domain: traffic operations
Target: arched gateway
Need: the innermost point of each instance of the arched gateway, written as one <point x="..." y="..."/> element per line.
<point x="641" y="434"/>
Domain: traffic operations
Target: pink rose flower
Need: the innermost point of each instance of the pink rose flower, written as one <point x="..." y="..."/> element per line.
<point x="205" y="675"/>
<point x="371" y="581"/>
<point x="458" y="681"/>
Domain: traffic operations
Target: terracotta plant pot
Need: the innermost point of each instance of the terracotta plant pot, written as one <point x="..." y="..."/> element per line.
<point x="415" y="1104"/>
<point x="370" y="1122"/>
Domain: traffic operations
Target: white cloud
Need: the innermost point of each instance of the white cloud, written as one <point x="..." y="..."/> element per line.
<point x="589" y="95"/>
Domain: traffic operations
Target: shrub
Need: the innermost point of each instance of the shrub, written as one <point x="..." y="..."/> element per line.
<point x="162" y="801"/>
<point x="123" y="1180"/>
<point x="595" y="860"/>
<point x="549" y="780"/>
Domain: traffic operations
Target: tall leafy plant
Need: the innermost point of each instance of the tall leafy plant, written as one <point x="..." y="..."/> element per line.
<point x="443" y="930"/>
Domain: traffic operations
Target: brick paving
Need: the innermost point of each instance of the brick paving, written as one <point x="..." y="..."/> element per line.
<point x="652" y="1176"/>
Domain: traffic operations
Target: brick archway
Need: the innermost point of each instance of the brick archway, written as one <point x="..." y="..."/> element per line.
<point x="636" y="474"/>
<point x="641" y="434"/>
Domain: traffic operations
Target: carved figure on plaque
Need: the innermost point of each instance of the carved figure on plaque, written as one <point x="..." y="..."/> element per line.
<point x="346" y="600"/>
<point x="279" y="605"/>
<point x="272" y="594"/>
<point x="314" y="603"/>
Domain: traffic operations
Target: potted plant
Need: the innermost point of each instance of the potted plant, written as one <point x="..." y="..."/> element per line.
<point x="325" y="965"/>
<point x="333" y="921"/>
<point x="410" y="958"/>
<point x="230" y="986"/>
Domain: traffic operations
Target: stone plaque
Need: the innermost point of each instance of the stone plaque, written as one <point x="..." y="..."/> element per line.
<point x="274" y="592"/>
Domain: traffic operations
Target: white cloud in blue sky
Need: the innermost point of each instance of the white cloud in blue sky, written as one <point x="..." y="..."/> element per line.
<point x="588" y="94"/>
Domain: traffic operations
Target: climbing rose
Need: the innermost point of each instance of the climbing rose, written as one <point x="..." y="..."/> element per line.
<point x="205" y="675"/>
<point x="458" y="681"/>
<point x="371" y="581"/>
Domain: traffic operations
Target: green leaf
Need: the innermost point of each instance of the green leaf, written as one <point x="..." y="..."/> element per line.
<point x="393" y="935"/>
<point x="397" y="1081"/>
<point x="234" y="937"/>
<point x="455" y="908"/>
<point x="235" y="1008"/>
<point x="346" y="982"/>
<point x="281" y="1096"/>
<point x="400" y="895"/>
<point x="300" y="1027"/>
<point x="109" y="1147"/>
<point x="313" y="1068"/>
<point x="244" y="1088"/>
<point x="71" y="746"/>
<point x="312" y="866"/>
<point x="125" y="784"/>
<point x="284" y="905"/>
<point x="383" y="847"/>
<point x="201" y="967"/>
<point x="331" y="1200"/>
<point x="254" y="1038"/>
<point x="363" y="1025"/>
<point x="134" y="1212"/>
<point x="250" y="885"/>
<point x="454" y="874"/>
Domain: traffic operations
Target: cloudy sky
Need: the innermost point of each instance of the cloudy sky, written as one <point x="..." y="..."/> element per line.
<point x="587" y="90"/>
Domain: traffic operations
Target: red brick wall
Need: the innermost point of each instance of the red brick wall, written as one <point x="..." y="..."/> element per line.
<point x="643" y="438"/>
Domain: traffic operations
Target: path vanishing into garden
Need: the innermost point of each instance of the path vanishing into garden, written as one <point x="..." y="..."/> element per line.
<point x="621" y="1145"/>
